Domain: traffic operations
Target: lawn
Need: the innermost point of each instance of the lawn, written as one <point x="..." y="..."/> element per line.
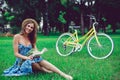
<point x="80" y="64"/>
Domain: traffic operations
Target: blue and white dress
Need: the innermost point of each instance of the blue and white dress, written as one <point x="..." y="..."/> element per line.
<point x="25" y="68"/>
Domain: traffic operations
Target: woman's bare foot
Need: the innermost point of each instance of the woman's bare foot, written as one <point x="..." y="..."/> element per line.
<point x="68" y="77"/>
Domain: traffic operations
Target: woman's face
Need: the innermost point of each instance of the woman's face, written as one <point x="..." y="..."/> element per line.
<point x="29" y="28"/>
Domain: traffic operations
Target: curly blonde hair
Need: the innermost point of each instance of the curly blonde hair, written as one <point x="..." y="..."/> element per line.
<point x="33" y="34"/>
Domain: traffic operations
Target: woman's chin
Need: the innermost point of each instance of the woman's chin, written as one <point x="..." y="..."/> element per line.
<point x="27" y="32"/>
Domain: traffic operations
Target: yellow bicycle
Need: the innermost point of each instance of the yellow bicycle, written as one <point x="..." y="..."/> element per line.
<point x="99" y="45"/>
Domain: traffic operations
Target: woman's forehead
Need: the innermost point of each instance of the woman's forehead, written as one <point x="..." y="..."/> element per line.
<point x="30" y="24"/>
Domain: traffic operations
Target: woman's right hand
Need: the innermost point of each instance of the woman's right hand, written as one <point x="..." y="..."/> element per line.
<point x="45" y="49"/>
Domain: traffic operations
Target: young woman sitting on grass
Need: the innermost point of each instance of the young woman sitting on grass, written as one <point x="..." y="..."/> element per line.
<point x="23" y="43"/>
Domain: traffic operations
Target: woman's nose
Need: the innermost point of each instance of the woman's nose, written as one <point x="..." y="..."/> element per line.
<point x="30" y="28"/>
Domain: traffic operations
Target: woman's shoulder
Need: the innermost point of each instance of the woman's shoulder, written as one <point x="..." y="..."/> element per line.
<point x="17" y="36"/>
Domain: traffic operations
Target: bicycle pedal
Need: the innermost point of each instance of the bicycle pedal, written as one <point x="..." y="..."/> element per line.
<point x="79" y="50"/>
<point x="74" y="50"/>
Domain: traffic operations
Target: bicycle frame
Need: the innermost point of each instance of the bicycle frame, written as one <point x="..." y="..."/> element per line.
<point x="82" y="40"/>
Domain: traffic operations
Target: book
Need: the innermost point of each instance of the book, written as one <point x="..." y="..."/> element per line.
<point x="34" y="52"/>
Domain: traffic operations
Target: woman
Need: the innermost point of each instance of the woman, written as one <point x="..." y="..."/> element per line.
<point x="23" y="43"/>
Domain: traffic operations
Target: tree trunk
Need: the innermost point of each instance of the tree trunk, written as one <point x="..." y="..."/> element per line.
<point x="82" y="24"/>
<point x="45" y="19"/>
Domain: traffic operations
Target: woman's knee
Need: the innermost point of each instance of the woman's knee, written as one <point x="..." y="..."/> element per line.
<point x="36" y="66"/>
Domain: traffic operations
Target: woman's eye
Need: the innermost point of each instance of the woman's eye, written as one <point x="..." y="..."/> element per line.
<point x="31" y="27"/>
<point x="28" y="25"/>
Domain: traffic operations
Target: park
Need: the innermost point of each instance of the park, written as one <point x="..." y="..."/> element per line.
<point x="69" y="16"/>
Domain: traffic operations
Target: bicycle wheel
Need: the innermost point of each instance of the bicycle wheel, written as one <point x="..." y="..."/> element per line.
<point x="103" y="51"/>
<point x="62" y="48"/>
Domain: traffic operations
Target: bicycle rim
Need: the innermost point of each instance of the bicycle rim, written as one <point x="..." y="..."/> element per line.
<point x="103" y="51"/>
<point x="62" y="49"/>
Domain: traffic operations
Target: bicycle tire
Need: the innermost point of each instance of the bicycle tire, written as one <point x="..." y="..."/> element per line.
<point x="103" y="51"/>
<point x="62" y="49"/>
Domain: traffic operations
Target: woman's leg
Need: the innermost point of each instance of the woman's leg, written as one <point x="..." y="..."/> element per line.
<point x="36" y="67"/>
<point x="53" y="68"/>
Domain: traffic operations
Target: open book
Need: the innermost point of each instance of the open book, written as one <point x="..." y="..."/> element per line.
<point x="34" y="52"/>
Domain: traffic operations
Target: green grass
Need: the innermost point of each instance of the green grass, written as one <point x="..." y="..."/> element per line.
<point x="80" y="64"/>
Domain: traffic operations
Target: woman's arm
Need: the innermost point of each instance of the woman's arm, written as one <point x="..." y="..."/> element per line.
<point x="15" y="47"/>
<point x="37" y="52"/>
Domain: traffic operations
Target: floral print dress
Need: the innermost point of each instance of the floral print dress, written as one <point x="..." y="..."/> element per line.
<point x="23" y="68"/>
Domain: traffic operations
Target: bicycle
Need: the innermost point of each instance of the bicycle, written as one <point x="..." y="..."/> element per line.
<point x="99" y="45"/>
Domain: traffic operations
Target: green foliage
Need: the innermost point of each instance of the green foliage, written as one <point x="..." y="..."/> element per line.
<point x="108" y="26"/>
<point x="61" y="17"/>
<point x="8" y="16"/>
<point x="64" y="2"/>
<point x="104" y="19"/>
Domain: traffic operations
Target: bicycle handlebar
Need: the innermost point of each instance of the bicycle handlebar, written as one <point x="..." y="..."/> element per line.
<point x="92" y="17"/>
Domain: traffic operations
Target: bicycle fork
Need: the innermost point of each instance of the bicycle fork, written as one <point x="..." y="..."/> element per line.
<point x="95" y="34"/>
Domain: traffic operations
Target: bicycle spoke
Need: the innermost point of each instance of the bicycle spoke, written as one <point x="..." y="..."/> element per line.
<point x="62" y="46"/>
<point x="103" y="51"/>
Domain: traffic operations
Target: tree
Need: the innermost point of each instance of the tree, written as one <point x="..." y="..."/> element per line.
<point x="83" y="6"/>
<point x="108" y="9"/>
<point x="79" y="8"/>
